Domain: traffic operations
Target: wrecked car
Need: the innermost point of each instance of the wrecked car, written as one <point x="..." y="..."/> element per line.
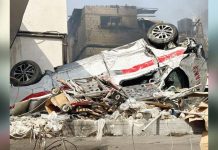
<point x="140" y="69"/>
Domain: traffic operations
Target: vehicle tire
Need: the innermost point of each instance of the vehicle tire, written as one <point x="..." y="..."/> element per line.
<point x="25" y="73"/>
<point x="161" y="34"/>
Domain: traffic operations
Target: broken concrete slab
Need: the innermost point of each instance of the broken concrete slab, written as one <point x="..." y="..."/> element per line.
<point x="85" y="128"/>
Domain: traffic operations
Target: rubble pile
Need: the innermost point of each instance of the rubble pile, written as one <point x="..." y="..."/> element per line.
<point x="86" y="98"/>
<point x="197" y="114"/>
<point x="99" y="99"/>
<point x="28" y="126"/>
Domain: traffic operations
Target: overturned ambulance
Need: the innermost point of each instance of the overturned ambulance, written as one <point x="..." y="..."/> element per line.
<point x="140" y="69"/>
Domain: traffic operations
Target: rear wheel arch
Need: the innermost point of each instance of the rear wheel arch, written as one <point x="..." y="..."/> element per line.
<point x="178" y="78"/>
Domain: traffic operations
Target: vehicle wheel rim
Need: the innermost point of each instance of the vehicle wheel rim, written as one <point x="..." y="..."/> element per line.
<point x="162" y="32"/>
<point x="24" y="72"/>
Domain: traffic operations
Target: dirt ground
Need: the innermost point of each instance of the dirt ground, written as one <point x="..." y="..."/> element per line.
<point x="120" y="143"/>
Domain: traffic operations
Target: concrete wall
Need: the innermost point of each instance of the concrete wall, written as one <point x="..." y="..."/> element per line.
<point x="128" y="14"/>
<point x="41" y="16"/>
<point x="108" y="37"/>
<point x="90" y="51"/>
<point x="45" y="15"/>
<point x="79" y="38"/>
<point x="124" y="127"/>
<point x="47" y="53"/>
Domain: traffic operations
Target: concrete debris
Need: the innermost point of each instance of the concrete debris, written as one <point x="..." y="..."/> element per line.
<point x="28" y="126"/>
<point x="166" y="114"/>
<point x="199" y="113"/>
<point x="114" y="116"/>
<point x="97" y="100"/>
<point x="101" y="124"/>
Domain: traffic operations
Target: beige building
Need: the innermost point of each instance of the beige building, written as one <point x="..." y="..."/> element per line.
<point x="42" y="34"/>
<point x="96" y="28"/>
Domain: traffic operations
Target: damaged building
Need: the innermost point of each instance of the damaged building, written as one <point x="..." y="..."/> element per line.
<point x="136" y="80"/>
<point x="96" y="28"/>
<point x="193" y="28"/>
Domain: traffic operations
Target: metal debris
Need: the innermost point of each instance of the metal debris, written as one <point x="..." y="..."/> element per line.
<point x="93" y="98"/>
<point x="127" y="91"/>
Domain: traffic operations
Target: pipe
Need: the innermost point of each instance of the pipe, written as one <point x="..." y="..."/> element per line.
<point x="41" y="34"/>
<point x="151" y="122"/>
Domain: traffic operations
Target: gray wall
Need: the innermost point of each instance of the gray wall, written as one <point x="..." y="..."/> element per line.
<point x="90" y="31"/>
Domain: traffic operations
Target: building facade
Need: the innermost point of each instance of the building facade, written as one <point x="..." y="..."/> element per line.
<point x="42" y="35"/>
<point x="194" y="29"/>
<point x="96" y="28"/>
